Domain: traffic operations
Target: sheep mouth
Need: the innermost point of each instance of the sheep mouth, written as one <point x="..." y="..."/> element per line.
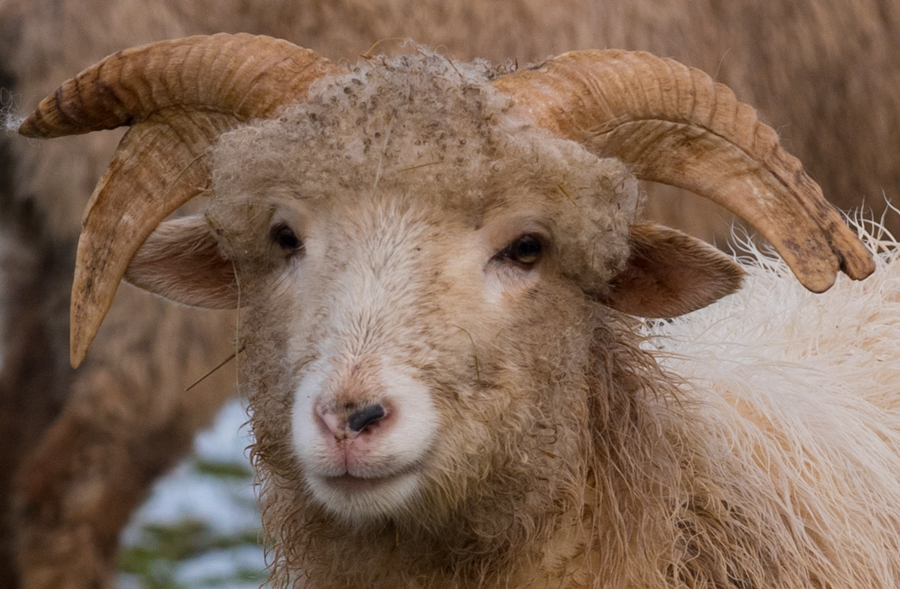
<point x="363" y="498"/>
<point x="348" y="482"/>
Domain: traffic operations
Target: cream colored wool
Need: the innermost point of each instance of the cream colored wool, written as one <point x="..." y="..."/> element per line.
<point x="796" y="399"/>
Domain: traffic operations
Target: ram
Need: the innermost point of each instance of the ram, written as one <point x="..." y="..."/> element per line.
<point x="439" y="264"/>
<point x="823" y="74"/>
<point x="83" y="447"/>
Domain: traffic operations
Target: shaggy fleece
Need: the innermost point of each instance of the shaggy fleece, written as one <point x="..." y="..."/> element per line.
<point x="798" y="397"/>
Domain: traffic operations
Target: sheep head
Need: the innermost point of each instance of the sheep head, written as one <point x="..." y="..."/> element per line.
<point x="672" y="123"/>
<point x="427" y="250"/>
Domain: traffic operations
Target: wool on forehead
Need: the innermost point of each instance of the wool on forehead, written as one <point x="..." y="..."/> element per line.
<point x="423" y="126"/>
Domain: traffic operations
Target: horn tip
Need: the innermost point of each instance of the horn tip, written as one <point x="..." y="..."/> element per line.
<point x="75" y="359"/>
<point x="78" y="350"/>
<point x="31" y="127"/>
<point x="859" y="268"/>
<point x="817" y="284"/>
<point x="46" y="124"/>
<point x="85" y="318"/>
<point x="80" y="339"/>
<point x="83" y="332"/>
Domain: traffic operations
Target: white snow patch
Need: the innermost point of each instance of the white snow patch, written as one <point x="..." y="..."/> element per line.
<point x="226" y="505"/>
<point x="222" y="564"/>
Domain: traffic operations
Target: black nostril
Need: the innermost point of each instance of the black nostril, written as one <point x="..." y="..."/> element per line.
<point x="365" y="417"/>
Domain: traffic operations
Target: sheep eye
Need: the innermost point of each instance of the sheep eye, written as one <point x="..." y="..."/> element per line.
<point x="286" y="239"/>
<point x="525" y="251"/>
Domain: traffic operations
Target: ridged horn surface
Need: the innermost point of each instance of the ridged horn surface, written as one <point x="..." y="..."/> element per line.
<point x="178" y="96"/>
<point x="678" y="127"/>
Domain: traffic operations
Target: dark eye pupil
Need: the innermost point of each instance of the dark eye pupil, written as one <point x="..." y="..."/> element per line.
<point x="285" y="237"/>
<point x="525" y="250"/>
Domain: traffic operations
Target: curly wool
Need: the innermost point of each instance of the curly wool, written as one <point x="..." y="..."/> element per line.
<point x="434" y="129"/>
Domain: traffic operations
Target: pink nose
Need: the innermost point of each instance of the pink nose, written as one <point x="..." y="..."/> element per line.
<point x="351" y="422"/>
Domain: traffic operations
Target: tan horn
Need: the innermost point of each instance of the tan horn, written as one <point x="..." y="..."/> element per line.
<point x="678" y="127"/>
<point x="178" y="96"/>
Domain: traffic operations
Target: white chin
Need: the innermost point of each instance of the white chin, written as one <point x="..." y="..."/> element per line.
<point x="359" y="499"/>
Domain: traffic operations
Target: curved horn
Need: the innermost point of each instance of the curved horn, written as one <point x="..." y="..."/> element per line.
<point x="178" y="96"/>
<point x="676" y="126"/>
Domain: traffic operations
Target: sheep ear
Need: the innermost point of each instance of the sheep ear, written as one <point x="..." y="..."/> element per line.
<point x="670" y="273"/>
<point x="181" y="261"/>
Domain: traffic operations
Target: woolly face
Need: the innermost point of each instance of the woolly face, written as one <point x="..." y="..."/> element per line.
<point x="400" y="349"/>
<point x="421" y="271"/>
<point x="401" y="285"/>
<point x="422" y="287"/>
